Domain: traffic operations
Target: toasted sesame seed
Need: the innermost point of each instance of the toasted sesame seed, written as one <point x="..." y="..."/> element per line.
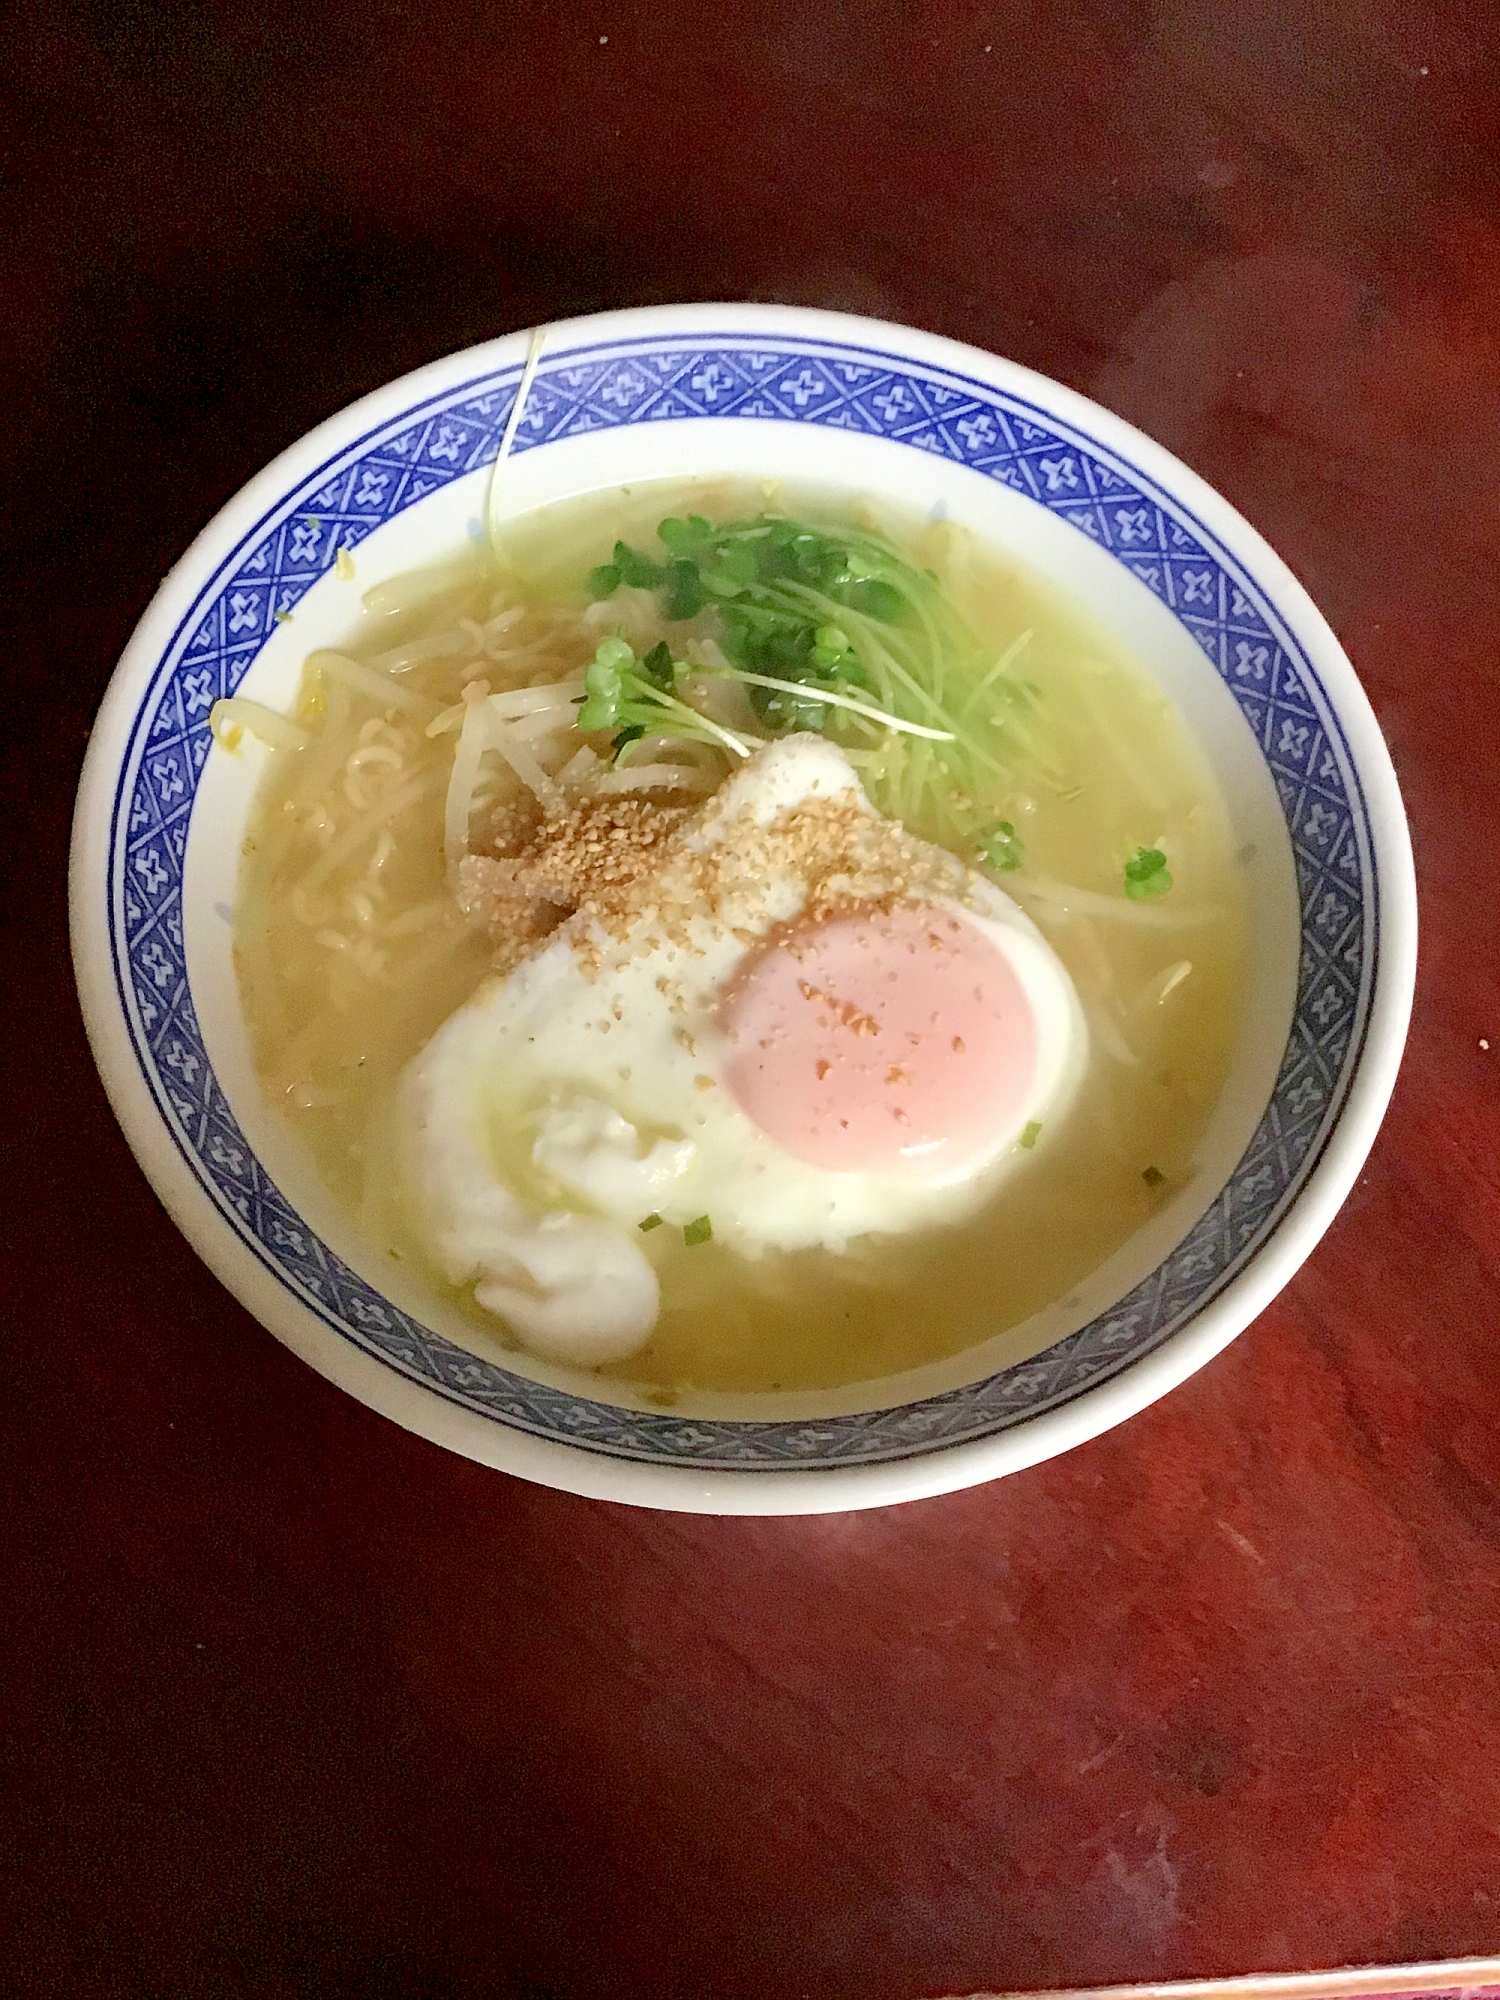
<point x="624" y="862"/>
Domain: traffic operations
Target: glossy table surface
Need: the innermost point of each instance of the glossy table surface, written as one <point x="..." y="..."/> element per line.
<point x="296" y="1704"/>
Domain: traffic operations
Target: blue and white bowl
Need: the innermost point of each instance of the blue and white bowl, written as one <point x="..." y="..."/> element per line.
<point x="771" y="390"/>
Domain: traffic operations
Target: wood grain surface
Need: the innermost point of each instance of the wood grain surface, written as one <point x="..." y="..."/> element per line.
<point x="294" y="1704"/>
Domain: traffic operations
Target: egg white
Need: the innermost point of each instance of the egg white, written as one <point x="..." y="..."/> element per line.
<point x="563" y="1104"/>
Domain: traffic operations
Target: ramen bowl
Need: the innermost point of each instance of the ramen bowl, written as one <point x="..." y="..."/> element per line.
<point x="1155" y="555"/>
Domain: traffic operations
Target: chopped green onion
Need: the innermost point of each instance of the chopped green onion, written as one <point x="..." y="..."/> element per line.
<point x="1003" y="847"/>
<point x="650" y="1222"/>
<point x="1146" y="874"/>
<point x="1032" y="1133"/>
<point x="699" y="1231"/>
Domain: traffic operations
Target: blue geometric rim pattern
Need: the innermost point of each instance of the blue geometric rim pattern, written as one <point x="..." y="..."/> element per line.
<point x="662" y="380"/>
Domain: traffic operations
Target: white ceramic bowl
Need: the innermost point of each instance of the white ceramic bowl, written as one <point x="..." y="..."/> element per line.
<point x="882" y="409"/>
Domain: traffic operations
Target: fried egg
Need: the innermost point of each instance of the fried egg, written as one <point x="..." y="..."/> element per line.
<point x="803" y="1070"/>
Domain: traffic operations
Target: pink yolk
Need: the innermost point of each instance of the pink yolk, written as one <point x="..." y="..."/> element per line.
<point x="881" y="1043"/>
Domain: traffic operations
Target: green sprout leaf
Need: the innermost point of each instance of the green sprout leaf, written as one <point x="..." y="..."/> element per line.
<point x="603" y="685"/>
<point x="1147" y="875"/>
<point x="635" y="569"/>
<point x="830" y="646"/>
<point x="633" y="699"/>
<point x="780" y="710"/>
<point x="836" y="632"/>
<point x="684" y="538"/>
<point x="603" y="582"/>
<point x="1002" y="847"/>
<point x="659" y="668"/>
<point x="877" y="599"/>
<point x="738" y="560"/>
<point x="684" y="589"/>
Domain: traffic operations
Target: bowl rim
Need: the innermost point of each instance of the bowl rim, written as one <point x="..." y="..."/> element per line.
<point x="784" y="1489"/>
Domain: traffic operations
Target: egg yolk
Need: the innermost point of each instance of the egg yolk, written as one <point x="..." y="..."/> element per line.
<point x="881" y="1042"/>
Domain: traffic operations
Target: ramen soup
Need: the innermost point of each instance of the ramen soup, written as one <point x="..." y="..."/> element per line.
<point x="737" y="939"/>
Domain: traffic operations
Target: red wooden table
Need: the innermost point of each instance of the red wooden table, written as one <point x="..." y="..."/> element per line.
<point x="295" y="1704"/>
